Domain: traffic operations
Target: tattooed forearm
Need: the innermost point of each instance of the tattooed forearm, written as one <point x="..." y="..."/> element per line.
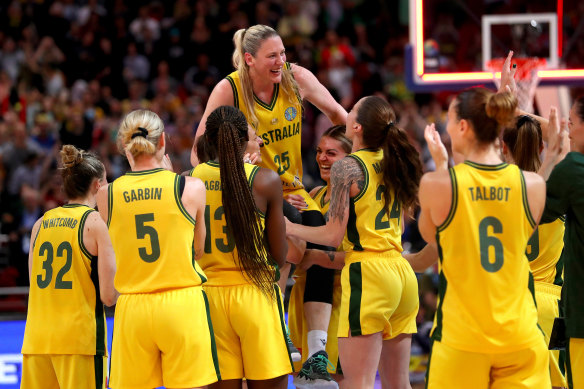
<point x="331" y="255"/>
<point x="343" y="174"/>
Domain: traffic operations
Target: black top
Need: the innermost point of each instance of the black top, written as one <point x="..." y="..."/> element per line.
<point x="565" y="196"/>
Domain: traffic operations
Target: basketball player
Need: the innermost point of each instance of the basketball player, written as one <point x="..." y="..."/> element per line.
<point x="565" y="191"/>
<point x="481" y="214"/>
<point x="369" y="189"/>
<point x="270" y="91"/>
<point x="72" y="267"/>
<point x="245" y="300"/>
<point x="163" y="331"/>
<point x="522" y="145"/>
<point x="333" y="146"/>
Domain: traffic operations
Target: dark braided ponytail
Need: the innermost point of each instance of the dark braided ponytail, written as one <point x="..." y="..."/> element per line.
<point x="226" y="134"/>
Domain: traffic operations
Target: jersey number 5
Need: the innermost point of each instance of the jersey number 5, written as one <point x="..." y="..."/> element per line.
<point x="141" y="231"/>
<point x="486" y="242"/>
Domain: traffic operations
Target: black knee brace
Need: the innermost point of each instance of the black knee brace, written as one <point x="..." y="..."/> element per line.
<point x="319" y="280"/>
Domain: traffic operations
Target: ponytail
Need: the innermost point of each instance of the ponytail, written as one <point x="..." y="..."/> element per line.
<point x="226" y="132"/>
<point x="524" y="141"/>
<point x="401" y="165"/>
<point x="402" y="168"/>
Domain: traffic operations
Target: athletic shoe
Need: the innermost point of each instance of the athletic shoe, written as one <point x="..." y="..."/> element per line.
<point x="294" y="352"/>
<point x="314" y="373"/>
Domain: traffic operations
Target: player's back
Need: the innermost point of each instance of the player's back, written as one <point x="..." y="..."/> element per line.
<point x="65" y="313"/>
<point x="152" y="233"/>
<point x="486" y="301"/>
<point x="220" y="260"/>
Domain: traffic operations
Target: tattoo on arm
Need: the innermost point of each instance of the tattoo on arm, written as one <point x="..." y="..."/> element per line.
<point x="331" y="255"/>
<point x="343" y="174"/>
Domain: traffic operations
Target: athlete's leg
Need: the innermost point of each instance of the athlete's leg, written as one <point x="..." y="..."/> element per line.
<point x="360" y="359"/>
<point x="274" y="383"/>
<point x="318" y="294"/>
<point x="226" y="384"/>
<point x="395" y="361"/>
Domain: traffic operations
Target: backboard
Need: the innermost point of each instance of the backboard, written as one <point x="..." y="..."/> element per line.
<point x="451" y="41"/>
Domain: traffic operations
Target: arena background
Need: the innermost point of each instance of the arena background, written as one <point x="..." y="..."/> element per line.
<point x="70" y="69"/>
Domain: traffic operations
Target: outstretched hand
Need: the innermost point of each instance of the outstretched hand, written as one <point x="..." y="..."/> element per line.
<point x="558" y="144"/>
<point x="508" y="76"/>
<point x="436" y="147"/>
<point x="167" y="163"/>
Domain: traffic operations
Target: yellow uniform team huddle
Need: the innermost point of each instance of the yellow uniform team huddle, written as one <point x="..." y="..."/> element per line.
<point x="193" y="261"/>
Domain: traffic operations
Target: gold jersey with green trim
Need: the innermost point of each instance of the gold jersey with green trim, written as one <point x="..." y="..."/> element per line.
<point x="65" y="312"/>
<point x="370" y="227"/>
<point x="486" y="302"/>
<point x="279" y="124"/>
<point x="220" y="260"/>
<point x="152" y="233"/>
<point x="544" y="250"/>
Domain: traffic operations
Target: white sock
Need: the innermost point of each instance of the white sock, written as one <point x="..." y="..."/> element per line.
<point x="316" y="341"/>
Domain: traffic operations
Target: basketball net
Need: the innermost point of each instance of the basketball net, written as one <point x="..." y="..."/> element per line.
<point x="526" y="78"/>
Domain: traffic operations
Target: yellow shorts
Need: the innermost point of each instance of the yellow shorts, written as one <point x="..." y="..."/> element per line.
<point x="63" y="371"/>
<point x="380" y="294"/>
<point x="163" y="338"/>
<point x="452" y="368"/>
<point x="250" y="332"/>
<point x="575" y="363"/>
<point x="312" y="206"/>
<point x="548" y="297"/>
<point x="299" y="329"/>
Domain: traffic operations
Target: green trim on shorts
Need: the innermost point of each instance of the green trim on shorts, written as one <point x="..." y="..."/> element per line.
<point x="356" y="282"/>
<point x="283" y="323"/>
<point x="100" y="332"/>
<point x="212" y="334"/>
<point x="98" y="367"/>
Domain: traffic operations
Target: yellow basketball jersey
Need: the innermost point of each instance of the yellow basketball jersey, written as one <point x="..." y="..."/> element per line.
<point x="543" y="251"/>
<point x="279" y="126"/>
<point x="152" y="233"/>
<point x="486" y="301"/>
<point x="370" y="228"/>
<point x="65" y="313"/>
<point x="320" y="201"/>
<point x="220" y="260"/>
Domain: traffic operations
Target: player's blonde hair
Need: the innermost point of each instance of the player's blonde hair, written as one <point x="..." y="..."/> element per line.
<point x="140" y="133"/>
<point x="249" y="40"/>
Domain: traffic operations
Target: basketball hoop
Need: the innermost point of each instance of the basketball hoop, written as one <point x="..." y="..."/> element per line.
<point x="526" y="78"/>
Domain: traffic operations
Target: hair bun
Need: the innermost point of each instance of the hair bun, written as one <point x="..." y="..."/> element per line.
<point x="501" y="107"/>
<point x="71" y="156"/>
